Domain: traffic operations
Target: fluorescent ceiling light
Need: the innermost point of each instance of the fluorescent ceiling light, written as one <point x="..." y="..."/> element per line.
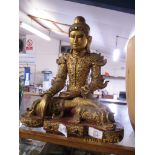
<point x="116" y="54"/>
<point x="35" y="31"/>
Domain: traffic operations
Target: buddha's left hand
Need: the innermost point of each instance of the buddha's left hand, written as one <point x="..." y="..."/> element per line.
<point x="69" y="94"/>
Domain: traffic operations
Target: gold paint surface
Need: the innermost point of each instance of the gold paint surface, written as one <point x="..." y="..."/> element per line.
<point x="83" y="69"/>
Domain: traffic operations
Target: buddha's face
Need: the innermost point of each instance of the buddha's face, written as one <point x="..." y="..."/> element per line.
<point x="78" y="40"/>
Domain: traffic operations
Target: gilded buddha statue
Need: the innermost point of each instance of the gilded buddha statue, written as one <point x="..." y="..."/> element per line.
<point x="77" y="103"/>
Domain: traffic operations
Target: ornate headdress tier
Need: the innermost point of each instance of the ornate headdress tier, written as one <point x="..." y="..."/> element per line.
<point x="80" y="24"/>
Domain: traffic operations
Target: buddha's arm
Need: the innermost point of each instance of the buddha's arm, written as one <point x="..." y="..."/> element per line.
<point x="97" y="80"/>
<point x="59" y="82"/>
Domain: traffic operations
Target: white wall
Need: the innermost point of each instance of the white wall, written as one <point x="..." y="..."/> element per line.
<point x="115" y="69"/>
<point x="115" y="86"/>
<point x="46" y="53"/>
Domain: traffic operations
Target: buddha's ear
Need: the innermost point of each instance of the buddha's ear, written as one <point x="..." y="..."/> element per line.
<point x="89" y="42"/>
<point x="89" y="39"/>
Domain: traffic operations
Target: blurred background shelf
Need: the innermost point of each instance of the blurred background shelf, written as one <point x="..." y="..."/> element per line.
<point x="114" y="77"/>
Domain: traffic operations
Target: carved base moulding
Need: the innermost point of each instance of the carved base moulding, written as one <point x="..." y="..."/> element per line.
<point x="110" y="134"/>
<point x="33" y="121"/>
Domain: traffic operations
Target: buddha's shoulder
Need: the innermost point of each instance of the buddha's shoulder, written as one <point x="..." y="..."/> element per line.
<point x="97" y="58"/>
<point x="95" y="55"/>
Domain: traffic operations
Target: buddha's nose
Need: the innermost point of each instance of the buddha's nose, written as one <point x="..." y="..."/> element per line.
<point x="75" y="40"/>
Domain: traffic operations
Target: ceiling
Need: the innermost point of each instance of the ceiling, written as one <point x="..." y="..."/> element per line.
<point x="127" y="6"/>
<point x="105" y="21"/>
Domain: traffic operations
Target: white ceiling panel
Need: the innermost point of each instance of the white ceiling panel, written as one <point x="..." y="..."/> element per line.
<point x="105" y="24"/>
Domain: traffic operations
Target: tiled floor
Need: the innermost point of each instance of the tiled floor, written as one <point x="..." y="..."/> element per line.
<point x="31" y="147"/>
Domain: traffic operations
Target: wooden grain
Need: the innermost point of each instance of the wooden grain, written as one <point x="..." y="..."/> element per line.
<point x="76" y="142"/>
<point x="130" y="79"/>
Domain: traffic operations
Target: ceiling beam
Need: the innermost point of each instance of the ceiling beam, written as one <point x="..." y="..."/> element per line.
<point x="127" y="6"/>
<point x="49" y="20"/>
<point x="53" y="22"/>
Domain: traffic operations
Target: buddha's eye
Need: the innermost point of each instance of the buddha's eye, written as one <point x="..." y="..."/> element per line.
<point x="76" y="35"/>
<point x="80" y="36"/>
<point x="72" y="36"/>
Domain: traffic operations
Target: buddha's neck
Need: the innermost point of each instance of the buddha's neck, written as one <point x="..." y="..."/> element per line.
<point x="76" y="53"/>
